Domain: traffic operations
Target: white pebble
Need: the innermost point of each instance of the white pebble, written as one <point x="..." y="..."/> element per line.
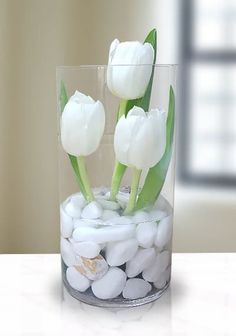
<point x="121" y="220"/>
<point x="92" y="211"/>
<point x="156" y="215"/>
<point x="73" y="209"/>
<point x="140" y="217"/>
<point x="136" y="288"/>
<point x="104" y="234"/>
<point x="85" y="222"/>
<point x="122" y="199"/>
<point x="93" y="268"/>
<point x="110" y="285"/>
<point x="67" y="253"/>
<point x="77" y="280"/>
<point x="109" y="205"/>
<point x="145" y="234"/>
<point x="78" y="200"/>
<point x="103" y="245"/>
<point x="163" y="279"/>
<point x="152" y="273"/>
<point x="117" y="253"/>
<point x="142" y="259"/>
<point x="108" y="214"/>
<point x="66" y="223"/>
<point x="165" y="258"/>
<point x="164" y="232"/>
<point x="108" y="194"/>
<point x="86" y="249"/>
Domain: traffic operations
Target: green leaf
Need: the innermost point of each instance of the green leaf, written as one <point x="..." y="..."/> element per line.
<point x="156" y="176"/>
<point x="73" y="159"/>
<point x="63" y="96"/>
<point x="74" y="164"/>
<point x="144" y="102"/>
<point x="125" y="106"/>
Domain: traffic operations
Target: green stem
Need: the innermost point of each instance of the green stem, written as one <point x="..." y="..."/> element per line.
<point x="84" y="178"/>
<point x="134" y="190"/>
<point x="118" y="173"/>
<point x="122" y="108"/>
<point x="119" y="168"/>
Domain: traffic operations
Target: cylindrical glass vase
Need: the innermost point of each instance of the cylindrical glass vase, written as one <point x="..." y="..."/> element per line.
<point x="116" y="218"/>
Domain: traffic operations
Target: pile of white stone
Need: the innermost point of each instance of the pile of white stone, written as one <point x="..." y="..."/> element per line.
<point x="112" y="253"/>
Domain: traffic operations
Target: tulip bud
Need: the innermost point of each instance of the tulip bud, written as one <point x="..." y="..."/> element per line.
<point x="82" y="125"/>
<point x="131" y="78"/>
<point x="140" y="138"/>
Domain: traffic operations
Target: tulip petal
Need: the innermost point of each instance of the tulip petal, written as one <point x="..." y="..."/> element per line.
<point x="128" y="71"/>
<point x="63" y="101"/>
<point x="143" y="102"/>
<point x="82" y="126"/>
<point x="136" y="111"/>
<point x="80" y="98"/>
<point x="156" y="176"/>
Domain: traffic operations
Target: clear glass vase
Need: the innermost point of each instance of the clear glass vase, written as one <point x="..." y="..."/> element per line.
<point x="111" y="256"/>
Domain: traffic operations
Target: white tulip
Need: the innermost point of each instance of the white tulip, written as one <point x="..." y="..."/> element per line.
<point x="82" y="125"/>
<point x="130" y="79"/>
<point x="140" y="138"/>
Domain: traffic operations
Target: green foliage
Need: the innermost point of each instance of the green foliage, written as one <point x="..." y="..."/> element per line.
<point x="156" y="175"/>
<point x="73" y="159"/>
<point x="126" y="106"/>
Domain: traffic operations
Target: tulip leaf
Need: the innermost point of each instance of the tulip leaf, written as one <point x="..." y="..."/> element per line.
<point x="156" y="175"/>
<point x="73" y="159"/>
<point x="126" y="106"/>
<point x="63" y="96"/>
<point x="144" y="102"/>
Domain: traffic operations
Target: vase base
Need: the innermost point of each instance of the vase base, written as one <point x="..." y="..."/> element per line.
<point x="118" y="302"/>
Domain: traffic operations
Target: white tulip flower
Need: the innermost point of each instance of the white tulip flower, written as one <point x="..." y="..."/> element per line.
<point x="131" y="78"/>
<point x="82" y="125"/>
<point x="140" y="138"/>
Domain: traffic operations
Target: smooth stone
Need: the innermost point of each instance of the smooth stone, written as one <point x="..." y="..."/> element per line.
<point x="142" y="259"/>
<point x="156" y="215"/>
<point x="92" y="211"/>
<point x="85" y="223"/>
<point x="153" y="272"/>
<point x="164" y="232"/>
<point x="103" y="245"/>
<point x="110" y="285"/>
<point x="145" y="234"/>
<point x="117" y="253"/>
<point x="163" y="278"/>
<point x="73" y="209"/>
<point x="108" y="195"/>
<point x="140" y="217"/>
<point x="86" y="249"/>
<point x="123" y="200"/>
<point x="165" y="258"/>
<point x="93" y="268"/>
<point x="136" y="288"/>
<point x="78" y="200"/>
<point x="76" y="280"/>
<point x="121" y="220"/>
<point x="67" y="252"/>
<point x="109" y="205"/>
<point x="66" y="223"/>
<point x="108" y="214"/>
<point x="104" y="234"/>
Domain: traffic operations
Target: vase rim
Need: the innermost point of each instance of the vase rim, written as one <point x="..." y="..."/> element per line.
<point x="159" y="65"/>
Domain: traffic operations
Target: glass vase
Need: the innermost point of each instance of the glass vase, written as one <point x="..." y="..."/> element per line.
<point x="111" y="256"/>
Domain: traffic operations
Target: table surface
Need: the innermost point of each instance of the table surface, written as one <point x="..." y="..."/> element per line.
<point x="200" y="301"/>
